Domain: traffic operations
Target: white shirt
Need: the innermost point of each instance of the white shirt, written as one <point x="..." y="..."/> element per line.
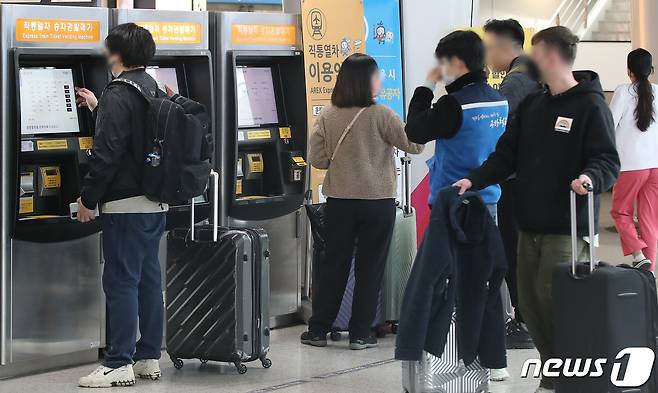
<point x="138" y="204"/>
<point x="637" y="150"/>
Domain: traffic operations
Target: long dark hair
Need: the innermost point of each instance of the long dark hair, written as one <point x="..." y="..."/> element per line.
<point x="354" y="82"/>
<point x="640" y="63"/>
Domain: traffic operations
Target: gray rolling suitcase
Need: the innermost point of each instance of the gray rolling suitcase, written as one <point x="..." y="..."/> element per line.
<point x="402" y="251"/>
<point x="446" y="374"/>
<point x="218" y="293"/>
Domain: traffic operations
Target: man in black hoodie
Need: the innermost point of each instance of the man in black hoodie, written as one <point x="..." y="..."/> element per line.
<point x="560" y="136"/>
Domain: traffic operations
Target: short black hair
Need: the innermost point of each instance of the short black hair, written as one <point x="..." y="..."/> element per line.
<point x="464" y="45"/>
<point x="133" y="43"/>
<point x="561" y="39"/>
<point x="354" y="83"/>
<point x="508" y="28"/>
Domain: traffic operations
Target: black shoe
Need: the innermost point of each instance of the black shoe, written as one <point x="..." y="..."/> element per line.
<point x="358" y="344"/>
<point x="644" y="264"/>
<point x="517" y="336"/>
<point x="315" y="340"/>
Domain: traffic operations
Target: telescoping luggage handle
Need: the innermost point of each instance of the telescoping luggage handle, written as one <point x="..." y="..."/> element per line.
<point x="215" y="208"/>
<point x="574" y="230"/>
<point x="406" y="176"/>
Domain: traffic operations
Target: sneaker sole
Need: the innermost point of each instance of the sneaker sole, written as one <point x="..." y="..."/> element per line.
<point x="153" y="377"/>
<point x="110" y="385"/>
<point x="319" y="344"/>
<point x="360" y="347"/>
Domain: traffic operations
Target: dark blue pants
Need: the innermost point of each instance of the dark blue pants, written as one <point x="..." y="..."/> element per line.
<point x="132" y="285"/>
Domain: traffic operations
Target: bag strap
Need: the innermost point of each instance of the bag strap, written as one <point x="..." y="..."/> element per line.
<point x="134" y="85"/>
<point x="347" y="130"/>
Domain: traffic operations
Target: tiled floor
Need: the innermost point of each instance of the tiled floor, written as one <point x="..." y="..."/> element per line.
<point x="295" y="368"/>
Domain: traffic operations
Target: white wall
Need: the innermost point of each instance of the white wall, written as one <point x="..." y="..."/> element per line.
<point x="424" y="23"/>
<point x="608" y="59"/>
<point x="530" y="13"/>
<point x="178" y="5"/>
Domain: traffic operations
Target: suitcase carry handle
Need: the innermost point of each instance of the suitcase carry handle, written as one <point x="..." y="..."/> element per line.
<point x="215" y="208"/>
<point x="574" y="229"/>
<point x="406" y="176"/>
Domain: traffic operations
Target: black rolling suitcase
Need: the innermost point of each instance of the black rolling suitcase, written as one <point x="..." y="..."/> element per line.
<point x="217" y="303"/>
<point x="604" y="312"/>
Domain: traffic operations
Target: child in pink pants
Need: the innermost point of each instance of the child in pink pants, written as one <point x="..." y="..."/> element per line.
<point x="635" y="112"/>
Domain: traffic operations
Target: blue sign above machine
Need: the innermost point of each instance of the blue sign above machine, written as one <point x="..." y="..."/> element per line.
<point x="384" y="43"/>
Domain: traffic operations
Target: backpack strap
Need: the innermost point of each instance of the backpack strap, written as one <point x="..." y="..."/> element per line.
<point x="134" y="85"/>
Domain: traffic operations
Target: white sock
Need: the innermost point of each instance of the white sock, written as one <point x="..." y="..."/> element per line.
<point x="638" y="256"/>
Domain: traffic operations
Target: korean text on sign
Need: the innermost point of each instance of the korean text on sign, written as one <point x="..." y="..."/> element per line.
<point x="49" y="30"/>
<point x="174" y="33"/>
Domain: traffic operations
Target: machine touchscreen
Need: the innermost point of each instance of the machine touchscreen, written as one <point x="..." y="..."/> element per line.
<point x="165" y="77"/>
<point x="256" y="97"/>
<point x="47" y="100"/>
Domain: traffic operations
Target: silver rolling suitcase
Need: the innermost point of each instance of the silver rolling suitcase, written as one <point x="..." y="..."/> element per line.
<point x="402" y="251"/>
<point x="218" y="293"/>
<point x="446" y="374"/>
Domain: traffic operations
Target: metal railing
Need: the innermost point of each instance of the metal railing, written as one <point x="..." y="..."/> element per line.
<point x="578" y="15"/>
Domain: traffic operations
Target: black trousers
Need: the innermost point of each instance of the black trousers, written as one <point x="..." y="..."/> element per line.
<point x="509" y="231"/>
<point x="368" y="225"/>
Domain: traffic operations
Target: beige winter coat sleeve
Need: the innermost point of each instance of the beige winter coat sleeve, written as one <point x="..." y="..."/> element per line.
<point x="318" y="155"/>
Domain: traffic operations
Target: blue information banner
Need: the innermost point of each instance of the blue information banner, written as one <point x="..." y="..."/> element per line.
<point x="384" y="43"/>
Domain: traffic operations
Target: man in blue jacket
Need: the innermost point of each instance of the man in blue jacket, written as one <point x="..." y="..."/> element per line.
<point x="466" y="123"/>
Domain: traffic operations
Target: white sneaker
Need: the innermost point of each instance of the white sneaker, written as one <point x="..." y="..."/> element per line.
<point x="499" y="375"/>
<point x="147" y="369"/>
<point x="105" y="377"/>
<point x="544" y="390"/>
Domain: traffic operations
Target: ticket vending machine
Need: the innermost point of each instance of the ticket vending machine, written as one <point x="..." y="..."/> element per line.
<point x="51" y="307"/>
<point x="262" y="109"/>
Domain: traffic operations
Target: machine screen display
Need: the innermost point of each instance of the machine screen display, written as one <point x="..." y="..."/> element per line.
<point x="165" y="77"/>
<point x="47" y="101"/>
<point x="256" y="97"/>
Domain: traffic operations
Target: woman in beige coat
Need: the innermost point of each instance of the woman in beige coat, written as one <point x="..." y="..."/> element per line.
<point x="354" y="139"/>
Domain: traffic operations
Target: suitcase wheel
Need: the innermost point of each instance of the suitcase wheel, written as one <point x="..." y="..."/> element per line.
<point x="242" y="369"/>
<point x="178" y="364"/>
<point x="267" y="363"/>
<point x="203" y="361"/>
<point x="335" y="336"/>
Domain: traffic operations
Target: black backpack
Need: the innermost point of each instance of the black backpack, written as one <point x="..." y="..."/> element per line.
<point x="178" y="148"/>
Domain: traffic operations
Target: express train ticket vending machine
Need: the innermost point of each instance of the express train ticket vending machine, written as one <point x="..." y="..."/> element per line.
<point x="262" y="107"/>
<point x="52" y="311"/>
